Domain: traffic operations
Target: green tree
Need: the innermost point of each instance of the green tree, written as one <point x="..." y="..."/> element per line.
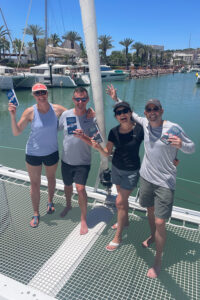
<point x="31" y="50"/>
<point x="83" y="50"/>
<point x="5" y="45"/>
<point x="117" y="58"/>
<point x="54" y="40"/>
<point x="126" y="43"/>
<point x="17" y="44"/>
<point x="137" y="46"/>
<point x="72" y="36"/>
<point x="3" y="32"/>
<point x="104" y="45"/>
<point x="35" y="31"/>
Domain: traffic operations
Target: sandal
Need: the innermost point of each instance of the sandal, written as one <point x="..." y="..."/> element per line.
<point x="36" y="220"/>
<point x="50" y="208"/>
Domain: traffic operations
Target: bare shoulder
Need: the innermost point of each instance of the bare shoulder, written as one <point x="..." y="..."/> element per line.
<point x="28" y="113"/>
<point x="59" y="109"/>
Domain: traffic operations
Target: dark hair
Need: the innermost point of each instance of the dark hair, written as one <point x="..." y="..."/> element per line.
<point x="80" y="90"/>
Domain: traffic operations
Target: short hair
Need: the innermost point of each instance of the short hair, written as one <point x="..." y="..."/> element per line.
<point x="80" y="90"/>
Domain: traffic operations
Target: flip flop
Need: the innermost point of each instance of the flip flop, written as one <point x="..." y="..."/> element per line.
<point x="50" y="208"/>
<point x="114" y="245"/>
<point x="35" y="222"/>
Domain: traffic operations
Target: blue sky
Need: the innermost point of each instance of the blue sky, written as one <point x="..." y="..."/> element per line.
<point x="172" y="23"/>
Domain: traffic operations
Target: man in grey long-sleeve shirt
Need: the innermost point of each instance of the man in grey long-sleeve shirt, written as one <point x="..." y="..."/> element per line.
<point x="162" y="139"/>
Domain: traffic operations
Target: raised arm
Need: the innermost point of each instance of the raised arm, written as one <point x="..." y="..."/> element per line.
<point x="112" y="92"/>
<point x="26" y="117"/>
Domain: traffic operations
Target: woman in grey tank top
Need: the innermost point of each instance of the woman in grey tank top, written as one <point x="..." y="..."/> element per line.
<point x="42" y="145"/>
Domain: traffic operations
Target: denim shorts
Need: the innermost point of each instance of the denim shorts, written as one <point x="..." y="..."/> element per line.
<point x="125" y="179"/>
<point x="160" y="197"/>
<point x="47" y="160"/>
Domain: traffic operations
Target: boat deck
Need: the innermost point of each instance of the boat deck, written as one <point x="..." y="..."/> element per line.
<point x="55" y="260"/>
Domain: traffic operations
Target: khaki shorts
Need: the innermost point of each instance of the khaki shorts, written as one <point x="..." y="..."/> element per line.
<point x="160" y="197"/>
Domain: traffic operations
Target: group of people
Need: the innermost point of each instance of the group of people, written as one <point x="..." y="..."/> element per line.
<point x="162" y="139"/>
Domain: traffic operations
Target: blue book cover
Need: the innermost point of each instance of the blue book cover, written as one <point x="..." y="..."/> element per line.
<point x="71" y="124"/>
<point x="12" y="97"/>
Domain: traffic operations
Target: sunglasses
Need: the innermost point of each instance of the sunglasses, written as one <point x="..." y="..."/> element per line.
<point x="81" y="99"/>
<point x="156" y="108"/>
<point x="40" y="93"/>
<point x="122" y="111"/>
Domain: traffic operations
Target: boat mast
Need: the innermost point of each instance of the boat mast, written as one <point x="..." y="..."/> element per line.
<point x="8" y="31"/>
<point x="46" y="34"/>
<point x="91" y="42"/>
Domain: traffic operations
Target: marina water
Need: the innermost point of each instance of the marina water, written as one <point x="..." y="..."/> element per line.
<point x="180" y="97"/>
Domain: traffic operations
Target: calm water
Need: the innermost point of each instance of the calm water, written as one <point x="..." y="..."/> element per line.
<point x="180" y="97"/>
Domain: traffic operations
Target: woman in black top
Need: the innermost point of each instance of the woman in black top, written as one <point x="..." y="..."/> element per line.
<point x="126" y="139"/>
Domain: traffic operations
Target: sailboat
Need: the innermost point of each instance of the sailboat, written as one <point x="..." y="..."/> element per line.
<point x="55" y="262"/>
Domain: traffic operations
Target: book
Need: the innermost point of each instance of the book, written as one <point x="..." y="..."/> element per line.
<point x="71" y="124"/>
<point x="12" y="98"/>
<point x="171" y="132"/>
<point x="94" y="132"/>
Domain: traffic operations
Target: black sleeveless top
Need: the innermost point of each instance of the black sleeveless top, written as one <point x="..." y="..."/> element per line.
<point x="127" y="145"/>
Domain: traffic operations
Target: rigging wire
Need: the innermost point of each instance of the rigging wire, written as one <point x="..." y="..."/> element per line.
<point x="29" y="10"/>
<point x="61" y="10"/>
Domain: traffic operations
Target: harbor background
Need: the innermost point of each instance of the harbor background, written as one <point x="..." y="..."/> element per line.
<point x="180" y="97"/>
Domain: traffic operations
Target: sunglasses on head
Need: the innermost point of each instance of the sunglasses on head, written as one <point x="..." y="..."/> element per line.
<point x="80" y="99"/>
<point x="40" y="93"/>
<point x="122" y="111"/>
<point x="155" y="108"/>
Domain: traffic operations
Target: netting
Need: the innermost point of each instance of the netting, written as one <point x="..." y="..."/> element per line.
<point x="98" y="274"/>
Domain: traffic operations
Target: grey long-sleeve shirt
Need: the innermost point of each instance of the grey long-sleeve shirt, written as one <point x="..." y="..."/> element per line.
<point x="157" y="165"/>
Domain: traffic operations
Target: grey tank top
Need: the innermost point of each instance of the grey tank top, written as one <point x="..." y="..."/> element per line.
<point x="43" y="137"/>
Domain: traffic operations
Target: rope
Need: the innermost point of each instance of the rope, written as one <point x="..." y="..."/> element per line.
<point x="29" y="10"/>
<point x="4" y="147"/>
<point x="191" y="181"/>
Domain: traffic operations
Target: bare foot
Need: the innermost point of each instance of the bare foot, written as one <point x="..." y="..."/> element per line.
<point x="114" y="226"/>
<point x="84" y="228"/>
<point x="154" y="271"/>
<point x="148" y="242"/>
<point x="65" y="211"/>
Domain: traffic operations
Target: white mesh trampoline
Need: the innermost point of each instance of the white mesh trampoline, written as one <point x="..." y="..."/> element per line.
<point x="54" y="262"/>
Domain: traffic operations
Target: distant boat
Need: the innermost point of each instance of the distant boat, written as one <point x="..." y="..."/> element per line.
<point x="107" y="74"/>
<point x="6" y="80"/>
<point x="10" y="79"/>
<point x="42" y="74"/>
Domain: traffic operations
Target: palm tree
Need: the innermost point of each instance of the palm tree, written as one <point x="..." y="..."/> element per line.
<point x="54" y="40"/>
<point x="137" y="46"/>
<point x="83" y="50"/>
<point x="17" y="44"/>
<point x="5" y="45"/>
<point x="104" y="45"/>
<point x="3" y="32"/>
<point x="126" y="43"/>
<point x="35" y="31"/>
<point x="72" y="36"/>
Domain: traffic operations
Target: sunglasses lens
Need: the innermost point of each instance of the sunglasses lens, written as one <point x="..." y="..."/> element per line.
<point x="122" y="111"/>
<point x="81" y="99"/>
<point x="39" y="93"/>
<point x="152" y="109"/>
